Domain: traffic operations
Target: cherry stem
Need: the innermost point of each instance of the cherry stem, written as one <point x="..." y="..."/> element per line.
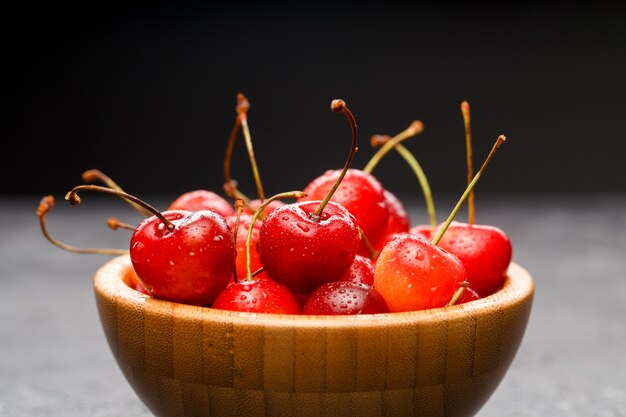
<point x="373" y="253"/>
<point x="465" y="111"/>
<point x="45" y="205"/>
<point x="257" y="272"/>
<point x="415" y="128"/>
<point x="339" y="106"/>
<point x="458" y="293"/>
<point x="239" y="204"/>
<point x="257" y="213"/>
<point x="417" y="170"/>
<point x="93" y="175"/>
<point x="74" y="199"/>
<point x="114" y="223"/>
<point x="501" y="139"/>
<point x="243" y="105"/>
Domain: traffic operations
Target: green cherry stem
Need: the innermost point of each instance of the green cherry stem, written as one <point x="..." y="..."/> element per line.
<point x="501" y="139"/>
<point x="458" y="293"/>
<point x="238" y="210"/>
<point x="73" y="198"/>
<point x="255" y="216"/>
<point x="45" y="205"/>
<point x="377" y="140"/>
<point x="465" y="111"/>
<point x="415" y="128"/>
<point x="339" y="106"/>
<point x="93" y="175"/>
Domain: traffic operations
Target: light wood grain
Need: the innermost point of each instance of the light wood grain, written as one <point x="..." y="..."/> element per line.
<point x="184" y="360"/>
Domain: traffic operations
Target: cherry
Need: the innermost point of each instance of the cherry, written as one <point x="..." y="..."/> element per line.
<point x="303" y="253"/>
<point x="260" y="295"/>
<point x="485" y="250"/>
<point x="398" y="220"/>
<point x="413" y="273"/>
<point x="255" y="293"/>
<point x="178" y="255"/>
<point x="344" y="298"/>
<point x="305" y="244"/>
<point x="361" y="270"/>
<point x="203" y="200"/>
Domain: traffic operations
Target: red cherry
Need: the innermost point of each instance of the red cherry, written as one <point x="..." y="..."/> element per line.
<point x="485" y="251"/>
<point x="344" y="298"/>
<point x="468" y="295"/>
<point x="258" y="295"/>
<point x="303" y="253"/>
<point x="191" y="262"/>
<point x="203" y="200"/>
<point x="361" y="271"/>
<point x="422" y="230"/>
<point x="413" y="274"/>
<point x="398" y="220"/>
<point x="362" y="194"/>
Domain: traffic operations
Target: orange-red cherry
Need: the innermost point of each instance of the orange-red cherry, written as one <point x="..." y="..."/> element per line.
<point x="413" y="274"/>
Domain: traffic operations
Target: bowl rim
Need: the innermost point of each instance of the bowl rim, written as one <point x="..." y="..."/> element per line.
<point x="109" y="284"/>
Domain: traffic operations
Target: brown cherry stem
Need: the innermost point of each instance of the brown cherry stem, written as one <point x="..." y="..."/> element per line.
<point x="257" y="213"/>
<point x="465" y="111"/>
<point x="114" y="223"/>
<point x="243" y="105"/>
<point x="238" y="210"/>
<point x="501" y="139"/>
<point x="415" y="128"/>
<point x="93" y="175"/>
<point x="377" y="140"/>
<point x="458" y="293"/>
<point x="45" y="205"/>
<point x="373" y="253"/>
<point x="339" y="106"/>
<point x="73" y="198"/>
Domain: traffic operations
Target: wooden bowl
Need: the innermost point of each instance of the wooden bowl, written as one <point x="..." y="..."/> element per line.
<point x="183" y="360"/>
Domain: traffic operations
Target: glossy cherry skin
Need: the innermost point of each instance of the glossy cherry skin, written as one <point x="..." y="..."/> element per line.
<point x="413" y="274"/>
<point x="485" y="251"/>
<point x="245" y="219"/>
<point x="344" y="298"/>
<point x="191" y="264"/>
<point x="361" y="271"/>
<point x="203" y="200"/>
<point x="257" y="296"/>
<point x="303" y="253"/>
<point x="468" y="295"/>
<point x="361" y="193"/>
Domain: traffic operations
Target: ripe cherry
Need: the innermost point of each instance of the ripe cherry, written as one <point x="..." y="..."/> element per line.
<point x="255" y="293"/>
<point x="308" y="243"/>
<point x="203" y="200"/>
<point x="361" y="271"/>
<point x="178" y="255"/>
<point x="345" y="298"/>
<point x="242" y="228"/>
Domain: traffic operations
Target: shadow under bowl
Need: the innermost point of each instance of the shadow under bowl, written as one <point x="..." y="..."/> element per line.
<point x="184" y="360"/>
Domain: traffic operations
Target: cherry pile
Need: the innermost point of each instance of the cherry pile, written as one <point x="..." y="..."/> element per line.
<point x="344" y="245"/>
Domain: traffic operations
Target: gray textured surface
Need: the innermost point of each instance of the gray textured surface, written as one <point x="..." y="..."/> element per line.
<point x="54" y="360"/>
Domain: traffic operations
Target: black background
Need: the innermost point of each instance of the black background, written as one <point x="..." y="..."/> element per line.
<point x="146" y="93"/>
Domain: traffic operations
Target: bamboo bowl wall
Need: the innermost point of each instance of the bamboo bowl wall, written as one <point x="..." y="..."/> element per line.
<point x="183" y="360"/>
